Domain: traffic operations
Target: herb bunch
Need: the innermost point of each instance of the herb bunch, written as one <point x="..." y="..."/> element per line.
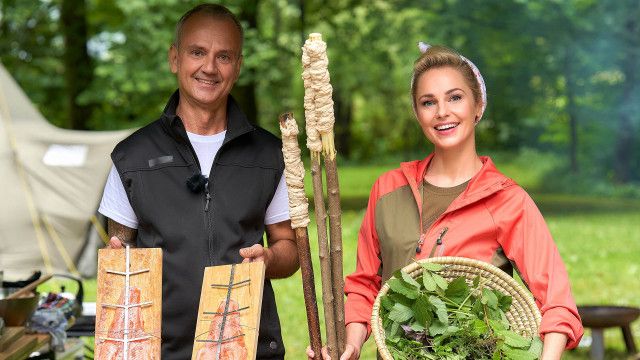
<point x="430" y="318"/>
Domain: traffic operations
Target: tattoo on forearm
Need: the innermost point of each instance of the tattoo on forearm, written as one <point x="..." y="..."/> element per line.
<point x="126" y="234"/>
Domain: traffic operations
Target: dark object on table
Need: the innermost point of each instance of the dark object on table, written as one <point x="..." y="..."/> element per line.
<point x="22" y="283"/>
<point x="600" y="317"/>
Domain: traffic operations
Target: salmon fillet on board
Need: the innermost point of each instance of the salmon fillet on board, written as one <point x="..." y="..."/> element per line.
<point x="233" y="349"/>
<point x="114" y="350"/>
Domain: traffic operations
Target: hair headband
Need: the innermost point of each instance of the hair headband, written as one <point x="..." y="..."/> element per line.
<point x="483" y="89"/>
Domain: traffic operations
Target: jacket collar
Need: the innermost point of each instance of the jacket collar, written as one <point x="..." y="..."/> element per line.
<point x="237" y="122"/>
<point x="485" y="183"/>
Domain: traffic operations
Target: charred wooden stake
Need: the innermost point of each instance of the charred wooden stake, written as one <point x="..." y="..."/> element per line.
<point x="298" y="210"/>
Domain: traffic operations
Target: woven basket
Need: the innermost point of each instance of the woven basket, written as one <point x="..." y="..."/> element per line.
<point x="524" y="316"/>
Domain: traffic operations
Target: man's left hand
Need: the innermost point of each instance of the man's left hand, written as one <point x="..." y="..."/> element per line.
<point x="256" y="253"/>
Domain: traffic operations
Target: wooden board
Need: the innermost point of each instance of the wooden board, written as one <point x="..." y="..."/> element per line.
<point x="239" y="320"/>
<point x="144" y="321"/>
<point x="24" y="345"/>
<point x="11" y="334"/>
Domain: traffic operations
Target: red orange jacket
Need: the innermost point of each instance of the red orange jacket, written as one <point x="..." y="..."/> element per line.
<point x="493" y="215"/>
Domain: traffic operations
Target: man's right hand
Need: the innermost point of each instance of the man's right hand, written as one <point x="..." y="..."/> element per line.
<point x="120" y="235"/>
<point x="115" y="243"/>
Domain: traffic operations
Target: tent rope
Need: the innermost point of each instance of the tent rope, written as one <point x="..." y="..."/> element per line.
<point x="100" y="229"/>
<point x="61" y="249"/>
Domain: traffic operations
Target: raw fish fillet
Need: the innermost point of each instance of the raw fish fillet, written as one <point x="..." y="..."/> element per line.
<point x="233" y="349"/>
<point x="114" y="350"/>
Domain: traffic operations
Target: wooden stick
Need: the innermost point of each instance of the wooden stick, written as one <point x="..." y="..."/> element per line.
<point x="335" y="233"/>
<point x="324" y="255"/>
<point x="298" y="209"/>
<point x="30" y="287"/>
<point x="308" y="288"/>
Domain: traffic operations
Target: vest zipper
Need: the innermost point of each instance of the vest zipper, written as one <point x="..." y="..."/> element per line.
<point x="208" y="198"/>
<point x="438" y="241"/>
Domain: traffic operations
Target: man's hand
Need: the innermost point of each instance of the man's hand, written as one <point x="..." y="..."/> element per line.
<point x="120" y="235"/>
<point x="115" y="243"/>
<point x="256" y="253"/>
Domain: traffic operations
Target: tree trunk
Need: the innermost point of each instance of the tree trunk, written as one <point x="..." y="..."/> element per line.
<point x="344" y="118"/>
<point x="571" y="111"/>
<point x="623" y="159"/>
<point x="77" y="63"/>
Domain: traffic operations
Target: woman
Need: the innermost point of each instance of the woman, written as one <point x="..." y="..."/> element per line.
<point x="455" y="203"/>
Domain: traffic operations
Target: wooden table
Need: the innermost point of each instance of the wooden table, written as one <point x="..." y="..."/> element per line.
<point x="16" y="344"/>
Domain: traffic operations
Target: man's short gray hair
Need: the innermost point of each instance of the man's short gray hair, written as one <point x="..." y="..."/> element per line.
<point x="215" y="11"/>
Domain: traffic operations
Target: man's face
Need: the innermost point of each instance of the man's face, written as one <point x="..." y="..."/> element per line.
<point x="207" y="60"/>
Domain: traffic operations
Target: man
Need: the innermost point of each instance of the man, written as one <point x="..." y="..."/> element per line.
<point x="203" y="184"/>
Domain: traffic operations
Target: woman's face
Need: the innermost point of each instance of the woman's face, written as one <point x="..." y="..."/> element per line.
<point x="446" y="109"/>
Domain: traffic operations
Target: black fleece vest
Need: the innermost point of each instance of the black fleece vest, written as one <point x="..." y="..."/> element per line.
<point x="154" y="164"/>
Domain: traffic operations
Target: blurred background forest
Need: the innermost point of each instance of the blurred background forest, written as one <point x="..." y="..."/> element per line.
<point x="563" y="118"/>
<point x="563" y="77"/>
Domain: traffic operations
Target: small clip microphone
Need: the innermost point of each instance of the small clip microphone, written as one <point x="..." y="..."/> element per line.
<point x="196" y="183"/>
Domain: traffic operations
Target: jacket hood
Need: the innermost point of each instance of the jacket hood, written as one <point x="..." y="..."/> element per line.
<point x="485" y="183"/>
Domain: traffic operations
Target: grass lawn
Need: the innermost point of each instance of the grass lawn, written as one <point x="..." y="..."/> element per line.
<point x="599" y="240"/>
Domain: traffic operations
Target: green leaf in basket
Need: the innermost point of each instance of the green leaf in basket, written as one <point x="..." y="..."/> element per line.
<point x="536" y="347"/>
<point x="479" y="327"/>
<point x="504" y="301"/>
<point x="440" y="282"/>
<point x="399" y="286"/>
<point x="386" y="303"/>
<point x="514" y="340"/>
<point x="400" y="313"/>
<point x="422" y="311"/>
<point x="409" y="280"/>
<point x="399" y="298"/>
<point x="496" y="325"/>
<point x="489" y="298"/>
<point x="431" y="266"/>
<point x="428" y="282"/>
<point x="458" y="290"/>
<point x="437" y="328"/>
<point x="441" y="309"/>
<point x="518" y="354"/>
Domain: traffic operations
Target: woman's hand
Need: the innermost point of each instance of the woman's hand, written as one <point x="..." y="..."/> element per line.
<point x="351" y="352"/>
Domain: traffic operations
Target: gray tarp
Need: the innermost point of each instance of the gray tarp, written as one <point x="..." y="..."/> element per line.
<point x="51" y="181"/>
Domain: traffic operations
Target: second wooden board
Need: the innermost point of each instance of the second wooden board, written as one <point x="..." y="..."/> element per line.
<point x="229" y="312"/>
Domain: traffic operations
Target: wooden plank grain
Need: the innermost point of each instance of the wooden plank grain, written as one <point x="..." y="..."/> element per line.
<point x="11" y="334"/>
<point x="20" y="348"/>
<point x="143" y="287"/>
<point x="245" y="297"/>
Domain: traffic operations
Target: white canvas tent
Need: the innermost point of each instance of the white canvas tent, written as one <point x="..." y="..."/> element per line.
<point x="51" y="181"/>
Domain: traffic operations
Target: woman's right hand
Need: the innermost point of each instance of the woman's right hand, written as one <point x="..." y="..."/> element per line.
<point x="350" y="353"/>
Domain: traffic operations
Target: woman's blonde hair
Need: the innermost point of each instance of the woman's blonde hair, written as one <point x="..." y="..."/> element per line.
<point x="438" y="56"/>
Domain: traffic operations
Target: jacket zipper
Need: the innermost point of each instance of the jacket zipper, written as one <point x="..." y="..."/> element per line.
<point x="438" y="241"/>
<point x="208" y="216"/>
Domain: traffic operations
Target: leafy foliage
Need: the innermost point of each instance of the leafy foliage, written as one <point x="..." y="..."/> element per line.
<point x="436" y="319"/>
<point x="561" y="76"/>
